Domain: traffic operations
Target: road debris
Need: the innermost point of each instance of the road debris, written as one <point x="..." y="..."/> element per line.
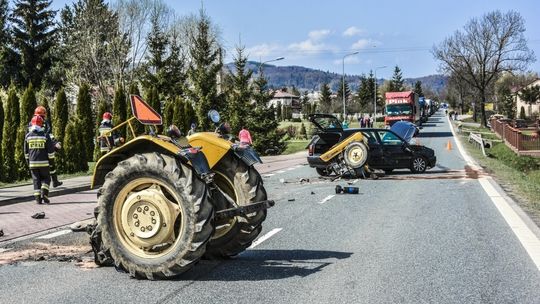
<point x="350" y="190"/>
<point x="39" y="215"/>
<point x="291" y="200"/>
<point x="78" y="227"/>
<point x="304" y="180"/>
<point x="1" y="232"/>
<point x="312" y="192"/>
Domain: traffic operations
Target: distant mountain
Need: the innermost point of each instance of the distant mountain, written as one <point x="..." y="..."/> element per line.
<point x="310" y="79"/>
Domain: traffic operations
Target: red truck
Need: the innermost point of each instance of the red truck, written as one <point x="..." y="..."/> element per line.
<point x="402" y="106"/>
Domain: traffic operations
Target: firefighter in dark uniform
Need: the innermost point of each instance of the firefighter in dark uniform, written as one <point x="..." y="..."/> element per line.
<point x="107" y="138"/>
<point x="41" y="111"/>
<point x="39" y="152"/>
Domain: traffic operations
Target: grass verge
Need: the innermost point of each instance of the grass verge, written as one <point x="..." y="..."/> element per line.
<point x="294" y="146"/>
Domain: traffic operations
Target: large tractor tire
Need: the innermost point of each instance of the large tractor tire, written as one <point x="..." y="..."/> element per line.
<point x="238" y="185"/>
<point x="155" y="216"/>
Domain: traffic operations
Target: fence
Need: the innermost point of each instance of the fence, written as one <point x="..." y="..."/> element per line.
<point x="523" y="142"/>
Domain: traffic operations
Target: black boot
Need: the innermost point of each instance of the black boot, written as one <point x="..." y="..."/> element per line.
<point x="45" y="195"/>
<point x="38" y="199"/>
<point x="55" y="181"/>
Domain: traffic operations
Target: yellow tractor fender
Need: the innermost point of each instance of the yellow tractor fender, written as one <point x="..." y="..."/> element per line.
<point x="141" y="144"/>
<point x="213" y="146"/>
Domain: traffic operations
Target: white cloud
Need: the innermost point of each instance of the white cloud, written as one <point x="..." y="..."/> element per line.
<point x="348" y="60"/>
<point x="353" y="31"/>
<point x="364" y="44"/>
<point x="318" y="34"/>
<point x="262" y="50"/>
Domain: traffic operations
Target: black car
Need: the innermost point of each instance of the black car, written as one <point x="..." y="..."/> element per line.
<point x="387" y="150"/>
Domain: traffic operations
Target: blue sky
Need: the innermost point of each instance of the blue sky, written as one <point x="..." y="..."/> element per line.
<point x="317" y="34"/>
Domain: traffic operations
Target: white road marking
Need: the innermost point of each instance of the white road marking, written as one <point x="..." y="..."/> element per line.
<point x="54" y="234"/>
<point x="264" y="237"/>
<point x="268" y="175"/>
<point x="355" y="181"/>
<point x="5" y="249"/>
<point x="327" y="199"/>
<point x="292" y="168"/>
<point x="527" y="238"/>
<point x="281" y="171"/>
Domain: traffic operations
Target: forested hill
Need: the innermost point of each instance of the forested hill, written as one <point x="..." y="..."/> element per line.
<point x="310" y="79"/>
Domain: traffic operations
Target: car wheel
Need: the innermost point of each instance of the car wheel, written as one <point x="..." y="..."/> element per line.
<point x="322" y="171"/>
<point x="418" y="164"/>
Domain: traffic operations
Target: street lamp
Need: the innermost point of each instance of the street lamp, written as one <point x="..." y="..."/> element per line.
<point x="272" y="60"/>
<point x="343" y="81"/>
<point x="375" y="93"/>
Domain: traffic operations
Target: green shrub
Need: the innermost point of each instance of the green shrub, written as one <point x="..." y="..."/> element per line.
<point x="296" y="120"/>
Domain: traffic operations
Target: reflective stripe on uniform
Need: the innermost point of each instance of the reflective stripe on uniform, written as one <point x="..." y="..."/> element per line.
<point x="45" y="186"/>
<point x="51" y="155"/>
<point x="53" y="172"/>
<point x="37" y="193"/>
<point x="37" y="137"/>
<point x="104" y="149"/>
<point x="39" y="163"/>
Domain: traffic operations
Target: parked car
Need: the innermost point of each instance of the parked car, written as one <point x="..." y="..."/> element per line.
<point x="519" y="123"/>
<point x="387" y="150"/>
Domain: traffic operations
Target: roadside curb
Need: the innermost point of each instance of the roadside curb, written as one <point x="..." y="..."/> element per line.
<point x="19" y="199"/>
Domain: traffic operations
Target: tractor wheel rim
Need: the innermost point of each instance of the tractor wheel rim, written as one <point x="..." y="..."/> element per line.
<point x="148" y="217"/>
<point x="356" y="155"/>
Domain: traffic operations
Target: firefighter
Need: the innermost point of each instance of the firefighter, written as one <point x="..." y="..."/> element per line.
<point x="108" y="139"/>
<point x="41" y="111"/>
<point x="39" y="153"/>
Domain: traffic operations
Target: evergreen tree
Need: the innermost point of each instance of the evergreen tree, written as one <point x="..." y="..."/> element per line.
<point x="179" y="115"/>
<point x="59" y="121"/>
<point x="102" y="108"/>
<point x="154" y="101"/>
<point x="155" y="66"/>
<point x="189" y="115"/>
<point x="75" y="157"/>
<point x="33" y="37"/>
<point x="8" y="64"/>
<point x="302" y="132"/>
<point x="240" y="95"/>
<point x="366" y="91"/>
<point x="340" y="94"/>
<point x="508" y="104"/>
<point x="138" y="128"/>
<point x="119" y="109"/>
<point x="262" y="124"/>
<point x="28" y="104"/>
<point x="85" y="117"/>
<point x="203" y="71"/>
<point x="1" y="134"/>
<point x="168" y="112"/>
<point x="279" y="108"/>
<point x="396" y="84"/>
<point x="325" y="99"/>
<point x="522" y="113"/>
<point x="9" y="136"/>
<point x="60" y="115"/>
<point x="418" y="88"/>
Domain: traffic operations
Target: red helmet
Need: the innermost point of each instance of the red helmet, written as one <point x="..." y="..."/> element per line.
<point x="41" y="111"/>
<point x="107" y="115"/>
<point x="37" y="121"/>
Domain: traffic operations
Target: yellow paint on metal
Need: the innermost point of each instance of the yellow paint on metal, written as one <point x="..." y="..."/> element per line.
<point x="161" y="141"/>
<point x="213" y="147"/>
<point x="339" y="147"/>
<point x="144" y="217"/>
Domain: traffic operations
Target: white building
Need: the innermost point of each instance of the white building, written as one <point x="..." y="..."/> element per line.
<point x="286" y="100"/>
<point x="530" y="109"/>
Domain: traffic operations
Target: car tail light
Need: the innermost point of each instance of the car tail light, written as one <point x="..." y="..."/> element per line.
<point x="311" y="149"/>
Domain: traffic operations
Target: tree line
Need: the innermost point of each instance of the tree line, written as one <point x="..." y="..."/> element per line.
<point x="88" y="57"/>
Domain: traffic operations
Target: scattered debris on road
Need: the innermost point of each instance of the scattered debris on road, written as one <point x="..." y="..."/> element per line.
<point x="45" y="252"/>
<point x="39" y="215"/>
<point x="312" y="192"/>
<point x="1" y="232"/>
<point x="350" y="190"/>
<point x="79" y="226"/>
<point x="291" y="200"/>
<point x="304" y="180"/>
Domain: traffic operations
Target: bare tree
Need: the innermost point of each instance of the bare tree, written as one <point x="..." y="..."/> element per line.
<point x="486" y="47"/>
<point x="134" y="17"/>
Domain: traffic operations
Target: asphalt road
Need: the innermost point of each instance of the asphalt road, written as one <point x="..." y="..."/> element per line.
<point x="430" y="238"/>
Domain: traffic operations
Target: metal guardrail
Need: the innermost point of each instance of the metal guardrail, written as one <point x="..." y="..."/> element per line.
<point x="481" y="143"/>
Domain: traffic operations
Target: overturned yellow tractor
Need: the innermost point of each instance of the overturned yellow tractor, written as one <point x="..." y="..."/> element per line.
<point x="162" y="206"/>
